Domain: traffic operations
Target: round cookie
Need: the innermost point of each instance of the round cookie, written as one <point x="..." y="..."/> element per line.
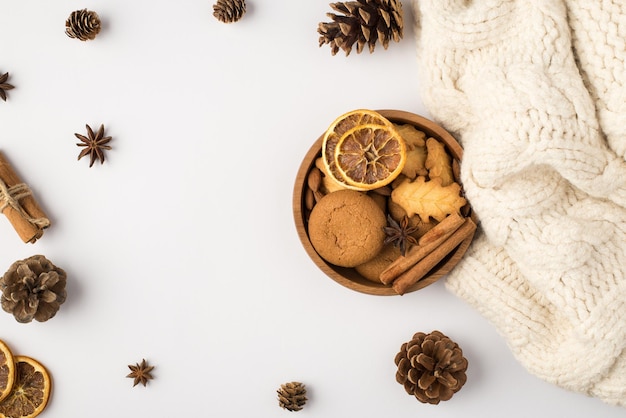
<point x="371" y="269"/>
<point x="346" y="228"/>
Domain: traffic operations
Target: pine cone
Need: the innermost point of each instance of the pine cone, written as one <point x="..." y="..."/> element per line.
<point x="431" y="367"/>
<point x="291" y="396"/>
<point x="363" y="22"/>
<point x="83" y="24"/>
<point x="229" y="11"/>
<point x="33" y="288"/>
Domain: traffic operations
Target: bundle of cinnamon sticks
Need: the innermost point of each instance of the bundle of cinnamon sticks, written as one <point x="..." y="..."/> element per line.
<point x="432" y="247"/>
<point x="19" y="206"/>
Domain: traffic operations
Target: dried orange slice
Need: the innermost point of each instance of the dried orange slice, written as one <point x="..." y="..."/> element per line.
<point x="7" y="370"/>
<point x="370" y="156"/>
<point x="30" y="392"/>
<point x="339" y="128"/>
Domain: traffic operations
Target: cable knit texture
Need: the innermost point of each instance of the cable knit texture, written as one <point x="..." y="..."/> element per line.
<point x="535" y="92"/>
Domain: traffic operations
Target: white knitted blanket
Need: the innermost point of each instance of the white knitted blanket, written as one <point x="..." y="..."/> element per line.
<point x="535" y="90"/>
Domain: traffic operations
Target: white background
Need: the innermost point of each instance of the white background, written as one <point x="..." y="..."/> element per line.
<point x="181" y="248"/>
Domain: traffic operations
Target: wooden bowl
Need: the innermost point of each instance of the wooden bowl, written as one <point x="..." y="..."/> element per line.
<point x="349" y="277"/>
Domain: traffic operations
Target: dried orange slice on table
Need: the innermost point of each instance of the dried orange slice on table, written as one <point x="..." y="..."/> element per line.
<point x="30" y="392"/>
<point x="362" y="150"/>
<point x="7" y="370"/>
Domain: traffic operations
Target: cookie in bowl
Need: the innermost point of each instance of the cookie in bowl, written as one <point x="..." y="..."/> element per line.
<point x="346" y="228"/>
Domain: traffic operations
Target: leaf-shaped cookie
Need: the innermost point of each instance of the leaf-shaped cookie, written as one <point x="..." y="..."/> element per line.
<point x="438" y="162"/>
<point x="428" y="198"/>
<point x="415" y="141"/>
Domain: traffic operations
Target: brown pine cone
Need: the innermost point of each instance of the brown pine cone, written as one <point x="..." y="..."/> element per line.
<point x="83" y="24"/>
<point x="229" y="11"/>
<point x="33" y="288"/>
<point x="363" y="22"/>
<point x="292" y="396"/>
<point x="431" y="367"/>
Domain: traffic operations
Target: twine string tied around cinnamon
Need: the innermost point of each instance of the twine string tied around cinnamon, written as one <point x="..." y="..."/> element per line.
<point x="10" y="196"/>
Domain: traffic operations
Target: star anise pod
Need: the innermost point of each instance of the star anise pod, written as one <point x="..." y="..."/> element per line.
<point x="95" y="144"/>
<point x="399" y="234"/>
<point x="140" y="372"/>
<point x="4" y="86"/>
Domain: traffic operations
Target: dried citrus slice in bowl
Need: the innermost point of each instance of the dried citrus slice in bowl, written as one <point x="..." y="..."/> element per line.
<point x="370" y="156"/>
<point x="7" y="370"/>
<point x="338" y="129"/>
<point x="30" y="392"/>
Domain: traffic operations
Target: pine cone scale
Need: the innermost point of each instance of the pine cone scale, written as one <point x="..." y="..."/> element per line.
<point x="365" y="15"/>
<point x="25" y="271"/>
<point x="413" y="351"/>
<point x="444" y="354"/>
<point x="345" y="28"/>
<point x="386" y="17"/>
<point x="366" y="33"/>
<point x="425" y="381"/>
<point x="413" y="376"/>
<point x="424" y="399"/>
<point x="403" y="366"/>
<point x="458" y="364"/>
<point x="425" y="361"/>
<point x="396" y="36"/>
<point x="447" y="380"/>
<point x="445" y="393"/>
<point x="433" y="392"/>
<point x="48" y="296"/>
<point x="29" y="308"/>
<point x="384" y="39"/>
<point x="23" y="312"/>
<point x="345" y="8"/>
<point x="428" y="347"/>
<point x="17" y="296"/>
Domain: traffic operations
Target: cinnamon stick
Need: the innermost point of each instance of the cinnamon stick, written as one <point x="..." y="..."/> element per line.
<point x="445" y="227"/>
<point x="19" y="205"/>
<point x="419" y="270"/>
<point x="426" y="244"/>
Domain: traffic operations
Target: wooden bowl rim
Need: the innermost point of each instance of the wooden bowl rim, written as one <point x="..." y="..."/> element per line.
<point x="349" y="277"/>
